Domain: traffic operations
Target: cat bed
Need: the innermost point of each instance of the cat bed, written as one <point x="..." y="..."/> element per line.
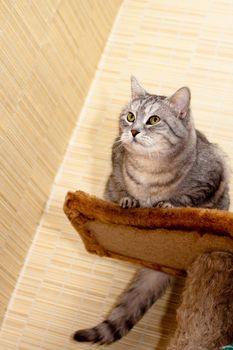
<point x="168" y="240"/>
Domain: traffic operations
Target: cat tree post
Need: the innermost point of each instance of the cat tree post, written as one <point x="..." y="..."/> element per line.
<point x="205" y="316"/>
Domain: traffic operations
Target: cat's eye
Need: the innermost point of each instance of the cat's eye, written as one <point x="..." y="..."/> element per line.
<point x="131" y="117"/>
<point x="154" y="119"/>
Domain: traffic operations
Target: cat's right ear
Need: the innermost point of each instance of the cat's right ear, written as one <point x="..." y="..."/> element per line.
<point x="136" y="89"/>
<point x="180" y="102"/>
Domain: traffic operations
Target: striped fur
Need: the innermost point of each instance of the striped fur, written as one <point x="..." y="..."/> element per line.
<point x="132" y="306"/>
<point x="164" y="165"/>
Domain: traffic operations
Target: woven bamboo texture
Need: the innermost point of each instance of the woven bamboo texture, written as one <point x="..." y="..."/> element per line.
<point x="166" y="44"/>
<point x="44" y="78"/>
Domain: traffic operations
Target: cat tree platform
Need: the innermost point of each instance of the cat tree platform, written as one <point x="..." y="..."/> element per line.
<point x="168" y="240"/>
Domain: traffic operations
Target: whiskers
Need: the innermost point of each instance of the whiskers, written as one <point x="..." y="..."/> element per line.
<point x="118" y="145"/>
<point x="143" y="145"/>
<point x="150" y="149"/>
<point x="145" y="140"/>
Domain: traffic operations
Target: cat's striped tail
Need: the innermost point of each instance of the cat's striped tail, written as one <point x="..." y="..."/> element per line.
<point x="144" y="291"/>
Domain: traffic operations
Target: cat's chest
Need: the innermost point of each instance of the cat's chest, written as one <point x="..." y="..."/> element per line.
<point x="146" y="185"/>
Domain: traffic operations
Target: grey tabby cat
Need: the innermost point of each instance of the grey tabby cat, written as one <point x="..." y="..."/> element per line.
<point x="158" y="160"/>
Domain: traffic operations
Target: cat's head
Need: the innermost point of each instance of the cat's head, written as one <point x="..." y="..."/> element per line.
<point x="152" y="123"/>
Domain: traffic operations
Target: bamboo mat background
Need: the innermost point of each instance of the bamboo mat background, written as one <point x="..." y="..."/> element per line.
<point x="166" y="44"/>
<point x="44" y="79"/>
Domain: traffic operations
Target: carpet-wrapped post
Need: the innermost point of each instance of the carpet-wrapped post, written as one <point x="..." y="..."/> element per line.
<point x="205" y="316"/>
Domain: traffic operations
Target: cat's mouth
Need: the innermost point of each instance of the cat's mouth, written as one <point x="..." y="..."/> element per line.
<point x="137" y="141"/>
<point x="133" y="142"/>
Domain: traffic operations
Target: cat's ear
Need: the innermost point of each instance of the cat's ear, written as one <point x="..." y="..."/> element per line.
<point x="136" y="89"/>
<point x="180" y="102"/>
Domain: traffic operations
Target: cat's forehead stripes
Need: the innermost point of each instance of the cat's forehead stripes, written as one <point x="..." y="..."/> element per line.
<point x="151" y="108"/>
<point x="145" y="106"/>
<point x="135" y="104"/>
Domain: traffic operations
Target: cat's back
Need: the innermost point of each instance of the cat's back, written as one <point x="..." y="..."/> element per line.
<point x="202" y="138"/>
<point x="209" y="153"/>
<point x="212" y="167"/>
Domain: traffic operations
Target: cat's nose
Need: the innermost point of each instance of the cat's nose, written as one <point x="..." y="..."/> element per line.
<point x="134" y="132"/>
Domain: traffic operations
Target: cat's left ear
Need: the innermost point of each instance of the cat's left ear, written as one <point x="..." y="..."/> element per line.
<point x="180" y="102"/>
<point x="136" y="89"/>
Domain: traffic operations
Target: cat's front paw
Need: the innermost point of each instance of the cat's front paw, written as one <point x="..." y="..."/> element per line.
<point x="163" y="204"/>
<point x="128" y="202"/>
